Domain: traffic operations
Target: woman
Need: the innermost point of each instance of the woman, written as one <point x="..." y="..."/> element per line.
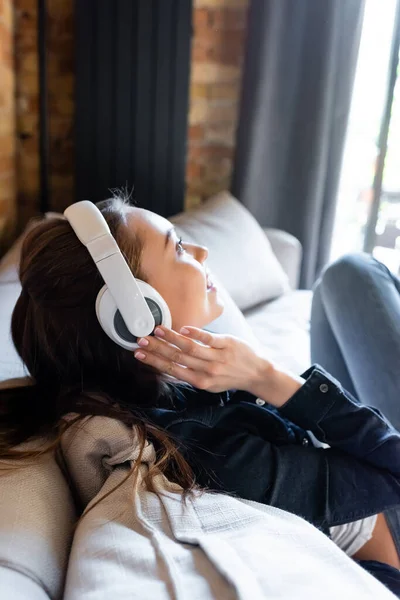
<point x="267" y="453"/>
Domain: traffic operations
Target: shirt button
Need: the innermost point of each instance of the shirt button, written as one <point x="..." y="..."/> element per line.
<point x="305" y="442"/>
<point x="323" y="388"/>
<point x="260" y="402"/>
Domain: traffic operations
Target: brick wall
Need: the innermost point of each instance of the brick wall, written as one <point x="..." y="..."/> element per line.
<point x="60" y="57"/>
<point x="61" y="66"/>
<point x="7" y="125"/>
<point x="27" y="108"/>
<point x="217" y="56"/>
<point x="217" y="53"/>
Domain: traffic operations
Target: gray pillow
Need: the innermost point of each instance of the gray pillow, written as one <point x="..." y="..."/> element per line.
<point x="240" y="253"/>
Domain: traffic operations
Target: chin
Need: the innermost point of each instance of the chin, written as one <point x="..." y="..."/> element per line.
<point x="220" y="306"/>
<point x="216" y="309"/>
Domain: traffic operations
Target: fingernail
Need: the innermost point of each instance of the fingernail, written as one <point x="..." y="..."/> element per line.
<point x="140" y="355"/>
<point x="143" y="342"/>
<point x="159" y="332"/>
<point x="185" y="331"/>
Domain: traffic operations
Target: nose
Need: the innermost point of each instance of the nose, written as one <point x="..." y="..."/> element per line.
<point x="200" y="253"/>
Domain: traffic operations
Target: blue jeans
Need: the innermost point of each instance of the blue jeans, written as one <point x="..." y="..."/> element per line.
<point x="355" y="330"/>
<point x="355" y="336"/>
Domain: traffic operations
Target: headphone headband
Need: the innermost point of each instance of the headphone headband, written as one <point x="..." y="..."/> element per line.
<point x="92" y="230"/>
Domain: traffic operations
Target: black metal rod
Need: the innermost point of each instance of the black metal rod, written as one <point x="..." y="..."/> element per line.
<point x="43" y="107"/>
<point x="370" y="234"/>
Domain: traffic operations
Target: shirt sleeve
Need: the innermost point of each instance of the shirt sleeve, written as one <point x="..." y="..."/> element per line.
<point x="336" y="418"/>
<point x="359" y="475"/>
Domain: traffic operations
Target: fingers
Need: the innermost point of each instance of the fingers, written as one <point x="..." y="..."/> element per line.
<point x="180" y="356"/>
<point x="170" y="353"/>
<point x="164" y="365"/>
<point x="188" y="346"/>
<point x="191" y="354"/>
<point x="205" y="337"/>
<point x="189" y="333"/>
<point x="177" y="355"/>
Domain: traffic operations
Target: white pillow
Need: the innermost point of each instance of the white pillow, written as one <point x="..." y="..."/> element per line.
<point x="240" y="253"/>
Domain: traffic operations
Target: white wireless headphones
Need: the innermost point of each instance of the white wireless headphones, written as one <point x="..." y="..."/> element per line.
<point x="126" y="308"/>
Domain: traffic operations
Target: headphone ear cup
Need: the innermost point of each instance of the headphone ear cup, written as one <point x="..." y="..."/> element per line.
<point x="111" y="319"/>
<point x="156" y="303"/>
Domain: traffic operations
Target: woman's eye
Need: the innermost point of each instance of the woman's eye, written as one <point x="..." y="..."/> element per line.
<point x="180" y="247"/>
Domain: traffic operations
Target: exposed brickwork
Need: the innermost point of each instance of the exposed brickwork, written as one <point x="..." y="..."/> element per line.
<point x="7" y="125"/>
<point x="60" y="64"/>
<point x="217" y="56"/>
<point x="27" y="108"/>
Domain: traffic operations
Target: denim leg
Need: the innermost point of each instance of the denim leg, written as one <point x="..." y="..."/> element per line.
<point x="324" y="347"/>
<point x="389" y="576"/>
<point x="361" y="299"/>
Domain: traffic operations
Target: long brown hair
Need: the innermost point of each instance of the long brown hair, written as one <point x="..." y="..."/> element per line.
<point x="74" y="366"/>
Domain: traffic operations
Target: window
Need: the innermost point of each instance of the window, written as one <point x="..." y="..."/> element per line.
<point x="355" y="214"/>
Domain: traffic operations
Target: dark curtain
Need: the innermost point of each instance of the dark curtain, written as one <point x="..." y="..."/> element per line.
<point x="298" y="79"/>
<point x="132" y="88"/>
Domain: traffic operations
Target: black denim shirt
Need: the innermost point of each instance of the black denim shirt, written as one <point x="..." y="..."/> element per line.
<point x="239" y="445"/>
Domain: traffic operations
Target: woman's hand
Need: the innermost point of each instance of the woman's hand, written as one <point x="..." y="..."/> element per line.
<point x="206" y="360"/>
<point x="216" y="363"/>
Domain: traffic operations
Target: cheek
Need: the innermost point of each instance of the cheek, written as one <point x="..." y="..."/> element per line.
<point x="187" y="302"/>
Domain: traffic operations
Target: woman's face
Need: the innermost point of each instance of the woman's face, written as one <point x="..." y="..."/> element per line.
<point x="176" y="270"/>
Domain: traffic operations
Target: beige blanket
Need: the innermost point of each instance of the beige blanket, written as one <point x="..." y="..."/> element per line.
<point x="144" y="545"/>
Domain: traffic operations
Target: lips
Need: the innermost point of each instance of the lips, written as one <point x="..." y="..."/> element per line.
<point x="210" y="284"/>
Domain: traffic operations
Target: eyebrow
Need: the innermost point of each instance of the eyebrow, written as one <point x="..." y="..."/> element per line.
<point x="168" y="236"/>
